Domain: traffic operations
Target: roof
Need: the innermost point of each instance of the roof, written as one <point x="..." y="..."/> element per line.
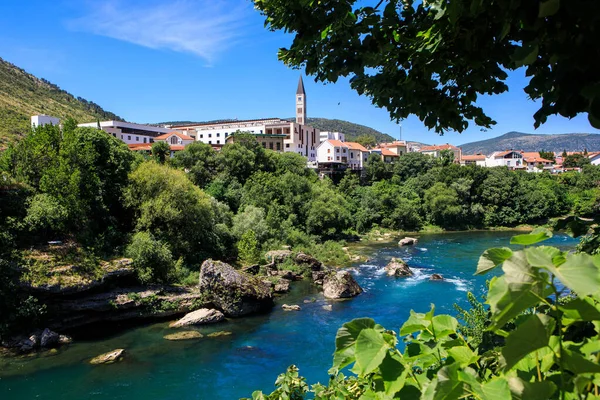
<point x="300" y="87"/>
<point x="228" y="121"/>
<point x="435" y="147"/>
<point x="168" y="135"/>
<point x="505" y="152"/>
<point x="389" y="153"/>
<point x="395" y="143"/>
<point x="148" y="147"/>
<point x="355" y="146"/>
<point x="336" y="143"/>
<point x="474" y="157"/>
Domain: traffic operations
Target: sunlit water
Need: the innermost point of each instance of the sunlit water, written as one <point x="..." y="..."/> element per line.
<point x="263" y="346"/>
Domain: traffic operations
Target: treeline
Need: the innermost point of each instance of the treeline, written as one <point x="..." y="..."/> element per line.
<point x="84" y="186"/>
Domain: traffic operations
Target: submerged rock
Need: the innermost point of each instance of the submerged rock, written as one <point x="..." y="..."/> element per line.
<point x="185" y="335"/>
<point x="408" y="241"/>
<point x="234" y="292"/>
<point x="337" y="285"/>
<point x="293" y="307"/>
<point x="436" y="277"/>
<point x="108" y="358"/>
<point x="397" y="267"/>
<point x="199" y="317"/>
<point x="219" y="334"/>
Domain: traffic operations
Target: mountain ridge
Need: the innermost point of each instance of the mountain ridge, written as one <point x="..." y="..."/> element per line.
<point x="535" y="142"/>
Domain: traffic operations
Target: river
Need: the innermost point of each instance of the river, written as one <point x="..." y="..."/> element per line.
<point x="260" y="347"/>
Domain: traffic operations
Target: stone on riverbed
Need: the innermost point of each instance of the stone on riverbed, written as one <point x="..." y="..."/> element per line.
<point x="108" y="358"/>
<point x="293" y="307"/>
<point x="199" y="317"/>
<point x="407" y="241"/>
<point x="185" y="335"/>
<point x="219" y="334"/>
<point x="397" y="267"/>
<point x="337" y="285"/>
<point x="436" y="277"/>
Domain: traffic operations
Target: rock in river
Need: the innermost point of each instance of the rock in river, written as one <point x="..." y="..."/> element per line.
<point x="293" y="307"/>
<point x="199" y="317"/>
<point x="108" y="358"/>
<point x="49" y="339"/>
<point x="185" y="335"/>
<point x="436" y="277"/>
<point x="407" y="241"/>
<point x="397" y="267"/>
<point x="337" y="285"/>
<point x="234" y="292"/>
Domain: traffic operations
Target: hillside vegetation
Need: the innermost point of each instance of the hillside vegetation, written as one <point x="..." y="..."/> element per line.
<point x="23" y="95"/>
<point x="532" y="142"/>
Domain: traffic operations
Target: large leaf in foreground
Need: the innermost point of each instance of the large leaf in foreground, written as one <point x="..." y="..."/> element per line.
<point x="491" y="258"/>
<point x="371" y="349"/>
<point x="346" y="339"/>
<point x="538" y="235"/>
<point x="531" y="335"/>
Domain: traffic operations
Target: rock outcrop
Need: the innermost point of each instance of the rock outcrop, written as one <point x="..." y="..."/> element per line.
<point x="292" y="307"/>
<point x="310" y="261"/>
<point x="407" y="241"/>
<point x="436" y="277"/>
<point x="202" y="316"/>
<point x="49" y="339"/>
<point x="282" y="286"/>
<point x="278" y="256"/>
<point x="234" y="292"/>
<point x="108" y="358"/>
<point x="397" y="267"/>
<point x="337" y="285"/>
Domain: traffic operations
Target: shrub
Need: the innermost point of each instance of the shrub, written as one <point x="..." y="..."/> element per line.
<point x="152" y="259"/>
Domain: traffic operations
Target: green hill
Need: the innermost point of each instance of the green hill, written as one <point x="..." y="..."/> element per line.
<point x="23" y="95"/>
<point x="533" y="142"/>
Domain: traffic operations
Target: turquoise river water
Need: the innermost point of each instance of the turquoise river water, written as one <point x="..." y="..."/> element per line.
<point x="260" y="347"/>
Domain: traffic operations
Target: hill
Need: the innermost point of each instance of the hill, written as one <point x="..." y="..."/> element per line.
<point x="23" y="95"/>
<point x="533" y="142"/>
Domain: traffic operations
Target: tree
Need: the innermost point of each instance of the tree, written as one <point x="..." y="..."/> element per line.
<point x="161" y="151"/>
<point x="152" y="259"/>
<point x="435" y="58"/>
<point x="368" y="141"/>
<point x="446" y="157"/>
<point x="575" y="161"/>
<point x="412" y="164"/>
<point x="248" y="248"/>
<point x="547" y="155"/>
<point x="443" y="206"/>
<point x="375" y="168"/>
<point x="199" y="160"/>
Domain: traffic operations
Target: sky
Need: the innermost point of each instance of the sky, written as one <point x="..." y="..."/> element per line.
<point x="199" y="60"/>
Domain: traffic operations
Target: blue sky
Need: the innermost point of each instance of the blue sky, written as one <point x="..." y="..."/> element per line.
<point x="161" y="60"/>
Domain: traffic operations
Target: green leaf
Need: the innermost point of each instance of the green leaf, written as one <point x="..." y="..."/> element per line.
<point x="325" y="32"/>
<point x="415" y="323"/>
<point x="393" y="374"/>
<point x="580" y="273"/>
<point x="578" y="364"/>
<point x="463" y="355"/>
<point x="544" y="255"/>
<point x="531" y="335"/>
<point x="346" y="339"/>
<point x="491" y="258"/>
<point x="523" y="390"/>
<point x="580" y="309"/>
<point x="444" y="325"/>
<point x="538" y="235"/>
<point x="525" y="55"/>
<point x="548" y="8"/>
<point x="448" y="386"/>
<point x="371" y="349"/>
<point x="495" y="389"/>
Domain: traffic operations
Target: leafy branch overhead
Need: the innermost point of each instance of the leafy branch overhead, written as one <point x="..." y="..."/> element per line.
<point x="434" y="59"/>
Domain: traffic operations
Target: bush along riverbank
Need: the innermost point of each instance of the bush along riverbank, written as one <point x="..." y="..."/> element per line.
<point x="116" y="296"/>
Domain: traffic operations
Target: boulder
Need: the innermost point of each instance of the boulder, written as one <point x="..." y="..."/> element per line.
<point x="36" y="338"/>
<point x="278" y="256"/>
<point x="252" y="269"/>
<point x="340" y="284"/>
<point x="185" y="335"/>
<point x="234" y="292"/>
<point x="397" y="267"/>
<point x="293" y="307"/>
<point x="26" y="345"/>
<point x="436" y="277"/>
<point x="318" y="276"/>
<point x="49" y="339"/>
<point x="313" y="263"/>
<point x="199" y="317"/>
<point x="407" y="241"/>
<point x="64" y="339"/>
<point x="290" y="275"/>
<point x="219" y="334"/>
<point x="108" y="358"/>
<point x="282" y="286"/>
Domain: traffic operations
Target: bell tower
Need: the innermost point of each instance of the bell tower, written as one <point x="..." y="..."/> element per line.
<point x="300" y="103"/>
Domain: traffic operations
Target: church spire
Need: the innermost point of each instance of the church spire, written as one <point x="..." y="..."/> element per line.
<point x="300" y="86"/>
<point x="300" y="103"/>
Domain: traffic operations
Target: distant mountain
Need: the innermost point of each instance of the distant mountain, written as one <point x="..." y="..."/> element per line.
<point x="23" y="95"/>
<point x="533" y="142"/>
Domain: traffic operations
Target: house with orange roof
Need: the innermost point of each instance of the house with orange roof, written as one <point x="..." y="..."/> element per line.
<point x="473" y="159"/>
<point x="508" y="158"/>
<point x="175" y="138"/>
<point x="398" y="147"/>
<point x="387" y="155"/>
<point x="436" y="150"/>
<point x="533" y="161"/>
<point x="351" y="154"/>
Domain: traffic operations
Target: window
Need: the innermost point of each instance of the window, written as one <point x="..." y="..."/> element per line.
<point x="210" y="142"/>
<point x="201" y="136"/>
<point x="508" y="163"/>
<point x="337" y="150"/>
<point x="299" y="111"/>
<point x="128" y="137"/>
<point x="114" y="134"/>
<point x="351" y="155"/>
<point x="337" y="158"/>
<point x="210" y="135"/>
<point x="264" y="144"/>
<point x="328" y="151"/>
<point x="137" y="138"/>
<point x="300" y="98"/>
<point x="287" y="145"/>
<point x="173" y="139"/>
<point x="343" y="150"/>
<point x="226" y="134"/>
<point x="144" y="140"/>
<point x="278" y="146"/>
<point x="218" y="134"/>
<point x="218" y="142"/>
<point x="271" y="145"/>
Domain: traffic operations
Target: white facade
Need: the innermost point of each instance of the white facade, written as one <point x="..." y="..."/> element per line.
<point x="128" y="132"/>
<point x="511" y="159"/>
<point x="595" y="159"/>
<point x="324" y="135"/>
<point x="41" y="120"/>
<point x="348" y="153"/>
<point x="217" y="133"/>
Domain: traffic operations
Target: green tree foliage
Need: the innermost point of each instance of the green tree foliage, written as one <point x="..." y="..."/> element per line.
<point x="329" y="212"/>
<point x="452" y="52"/>
<point x="152" y="259"/>
<point x="199" y="159"/>
<point x="575" y="161"/>
<point x="375" y="168"/>
<point x="368" y="141"/>
<point x="412" y="164"/>
<point x="443" y="205"/>
<point x="548" y="348"/>
<point x="248" y="248"/>
<point x="548" y="155"/>
<point x="167" y="204"/>
<point x="161" y="151"/>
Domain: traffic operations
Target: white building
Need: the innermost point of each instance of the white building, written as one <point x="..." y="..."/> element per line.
<point x="351" y="154"/>
<point x="509" y="158"/>
<point x="324" y="135"/>
<point x="128" y="132"/>
<point x="474" y="159"/>
<point x="41" y="120"/>
<point x="299" y="138"/>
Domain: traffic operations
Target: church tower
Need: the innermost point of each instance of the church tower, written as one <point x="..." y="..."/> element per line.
<point x="300" y="103"/>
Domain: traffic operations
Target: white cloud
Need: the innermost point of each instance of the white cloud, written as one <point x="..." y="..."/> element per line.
<point x="205" y="28"/>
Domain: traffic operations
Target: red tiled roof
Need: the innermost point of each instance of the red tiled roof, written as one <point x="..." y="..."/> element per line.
<point x="336" y="143"/>
<point x="178" y="134"/>
<point x="446" y="146"/>
<point x="474" y="157"/>
<point x="386" y="152"/>
<point x="355" y="146"/>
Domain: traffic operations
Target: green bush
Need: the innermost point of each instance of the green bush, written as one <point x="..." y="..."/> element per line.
<point x="152" y="259"/>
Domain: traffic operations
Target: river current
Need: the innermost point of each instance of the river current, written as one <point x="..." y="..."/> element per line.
<point x="260" y="347"/>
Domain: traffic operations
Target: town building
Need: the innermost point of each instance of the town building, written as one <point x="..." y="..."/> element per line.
<point x="475" y="159"/>
<point x="533" y="161"/>
<point x="42" y="119"/>
<point x="325" y="135"/>
<point x="128" y="132"/>
<point x="297" y="136"/>
<point x="508" y="158"/>
<point x="436" y="151"/>
<point x="350" y="154"/>
<point x="398" y="147"/>
<point x="387" y="156"/>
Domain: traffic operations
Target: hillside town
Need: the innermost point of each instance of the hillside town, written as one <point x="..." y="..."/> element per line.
<point x="327" y="152"/>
